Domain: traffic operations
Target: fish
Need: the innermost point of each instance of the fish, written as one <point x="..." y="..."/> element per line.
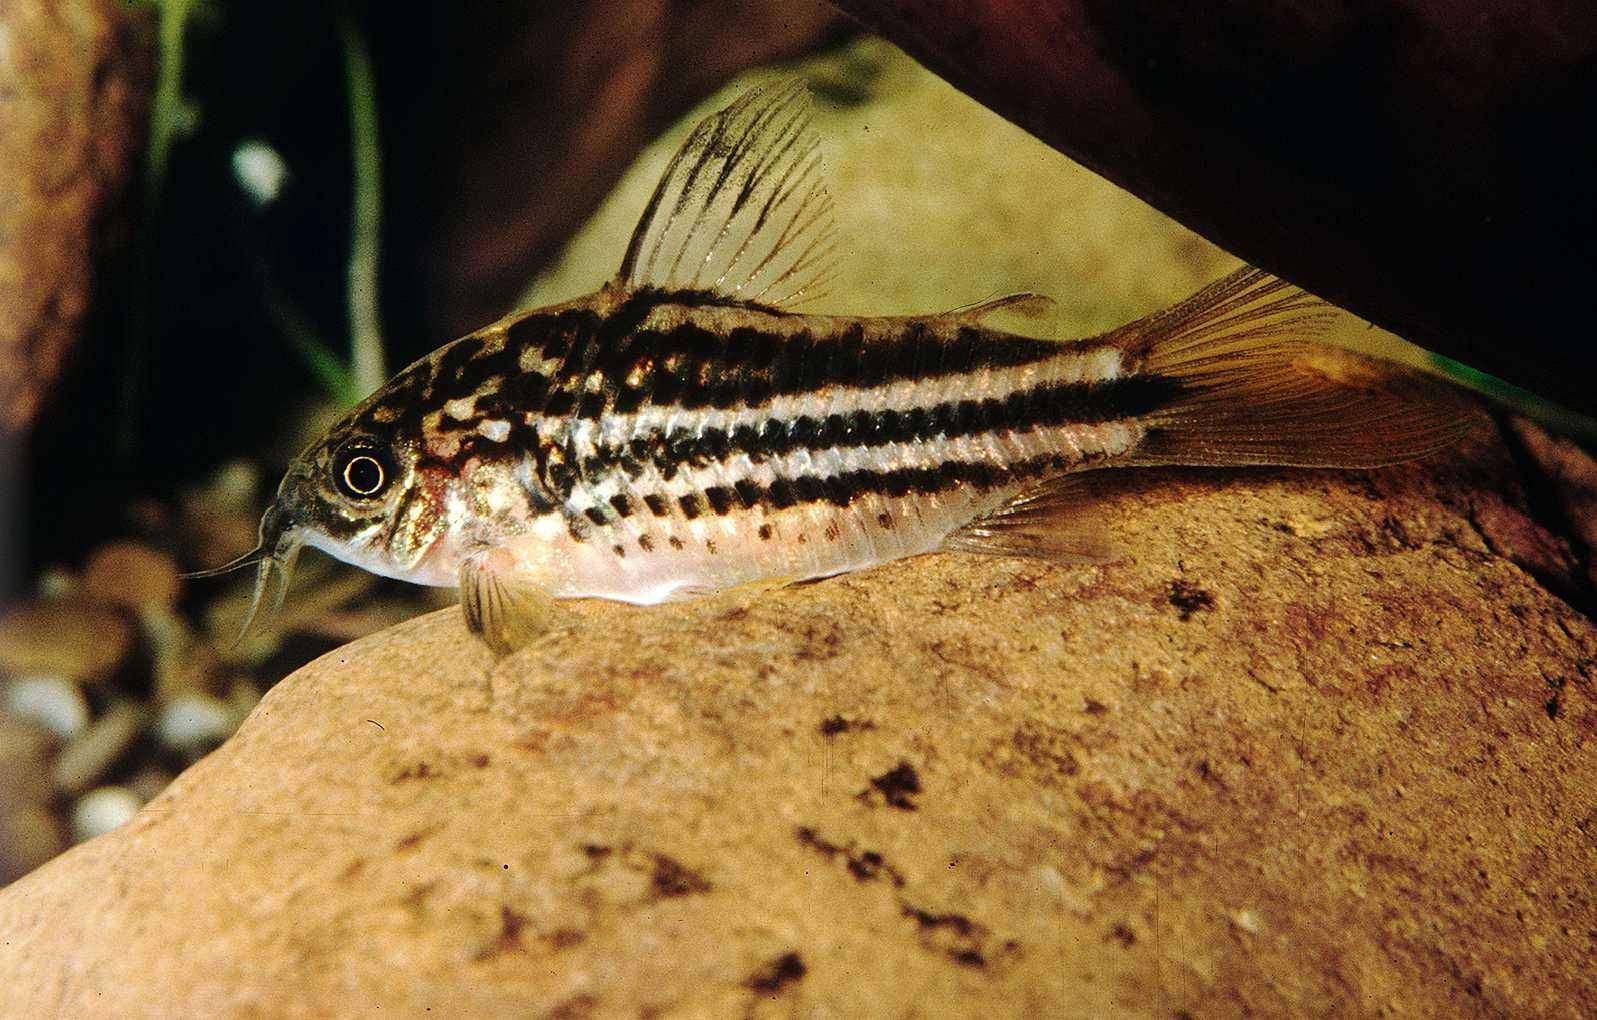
<point x="688" y="429"/>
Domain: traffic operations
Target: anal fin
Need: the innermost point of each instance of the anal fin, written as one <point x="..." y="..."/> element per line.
<point x="1051" y="521"/>
<point x="504" y="610"/>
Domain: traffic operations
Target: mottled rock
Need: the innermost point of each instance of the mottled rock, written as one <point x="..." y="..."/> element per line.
<point x="1316" y="744"/>
<point x="1311" y="747"/>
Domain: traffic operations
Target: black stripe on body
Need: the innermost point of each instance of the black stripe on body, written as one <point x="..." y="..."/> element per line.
<point x="690" y="365"/>
<point x="845" y="488"/>
<point x="1056" y="404"/>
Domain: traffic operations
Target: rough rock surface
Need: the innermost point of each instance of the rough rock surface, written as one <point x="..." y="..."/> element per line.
<point x="1312" y="747"/>
<point x="72" y="95"/>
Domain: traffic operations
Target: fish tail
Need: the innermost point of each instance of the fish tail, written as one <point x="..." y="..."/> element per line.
<point x="1251" y="387"/>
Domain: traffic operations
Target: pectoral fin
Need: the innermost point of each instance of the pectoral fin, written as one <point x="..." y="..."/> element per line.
<point x="1053" y="521"/>
<point x="506" y="611"/>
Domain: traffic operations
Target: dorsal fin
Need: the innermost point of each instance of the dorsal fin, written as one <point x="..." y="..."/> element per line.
<point x="742" y="210"/>
<point x="1026" y="304"/>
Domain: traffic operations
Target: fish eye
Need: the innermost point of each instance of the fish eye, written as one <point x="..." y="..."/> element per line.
<point x="361" y="471"/>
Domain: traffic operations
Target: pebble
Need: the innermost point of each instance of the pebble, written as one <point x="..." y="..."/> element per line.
<point x="131" y="575"/>
<point x="182" y="662"/>
<point x="235" y="483"/>
<point x="194" y="724"/>
<point x="220" y="519"/>
<point x="55" y="703"/>
<point x="55" y="583"/>
<point x="101" y="810"/>
<point x="71" y="638"/>
<point x="29" y="836"/>
<point x="149" y="781"/>
<point x="84" y="761"/>
<point x="244" y="695"/>
<point x="25" y="749"/>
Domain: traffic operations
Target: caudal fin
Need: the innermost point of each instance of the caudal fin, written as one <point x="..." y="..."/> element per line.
<point x="1255" y="389"/>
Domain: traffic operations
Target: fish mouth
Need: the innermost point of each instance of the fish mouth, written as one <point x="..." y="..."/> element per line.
<point x="277" y="547"/>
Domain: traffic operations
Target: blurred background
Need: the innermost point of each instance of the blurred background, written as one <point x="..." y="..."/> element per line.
<point x="230" y="221"/>
<point x="233" y="219"/>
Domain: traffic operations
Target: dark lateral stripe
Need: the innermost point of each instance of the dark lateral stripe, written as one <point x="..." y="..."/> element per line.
<point x="693" y="367"/>
<point x="843" y="489"/>
<point x="687" y="365"/>
<point x="1038" y="407"/>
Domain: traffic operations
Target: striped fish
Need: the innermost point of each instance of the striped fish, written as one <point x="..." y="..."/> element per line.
<point x="685" y="430"/>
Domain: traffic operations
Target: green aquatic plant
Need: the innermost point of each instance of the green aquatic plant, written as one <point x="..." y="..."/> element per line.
<point x="168" y="112"/>
<point x="1555" y="417"/>
<point x="173" y="114"/>
<point x="345" y="382"/>
<point x="365" y="331"/>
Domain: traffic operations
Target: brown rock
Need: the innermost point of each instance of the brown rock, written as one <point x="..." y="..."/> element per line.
<point x="29" y="836"/>
<point x="71" y="108"/>
<point x="564" y="94"/>
<point x="220" y="519"/>
<point x="1571" y="473"/>
<point x="148" y="782"/>
<point x="68" y="638"/>
<point x="131" y="575"/>
<point x="1338" y="145"/>
<point x="190" y="665"/>
<point x="1310" y="748"/>
<point x="25" y="750"/>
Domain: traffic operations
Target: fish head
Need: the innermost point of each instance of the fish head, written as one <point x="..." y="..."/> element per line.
<point x="360" y="494"/>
